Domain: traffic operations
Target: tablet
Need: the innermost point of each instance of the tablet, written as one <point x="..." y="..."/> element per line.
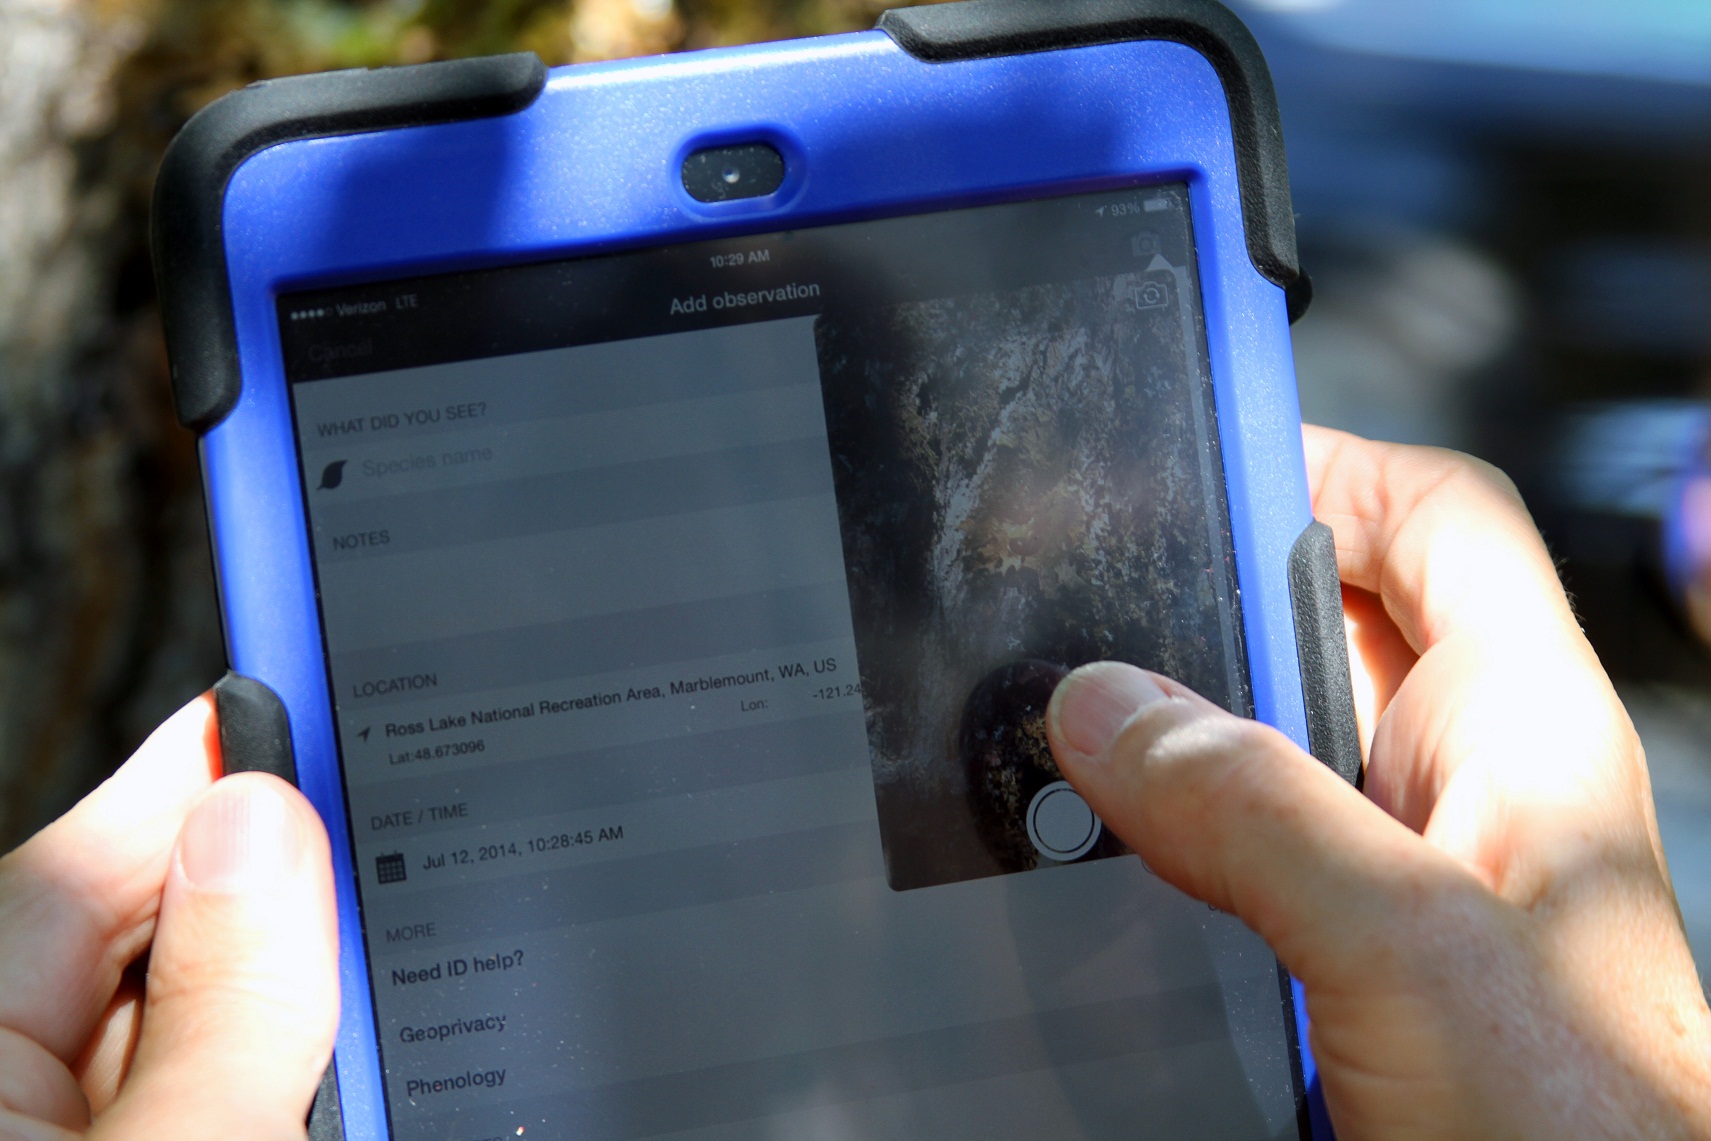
<point x="653" y="504"/>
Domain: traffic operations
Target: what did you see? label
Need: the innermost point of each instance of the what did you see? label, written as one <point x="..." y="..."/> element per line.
<point x="379" y="423"/>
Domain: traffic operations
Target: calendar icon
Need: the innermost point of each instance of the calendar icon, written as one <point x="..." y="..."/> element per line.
<point x="390" y="868"/>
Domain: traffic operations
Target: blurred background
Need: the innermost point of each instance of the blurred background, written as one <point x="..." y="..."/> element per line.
<point x="1505" y="206"/>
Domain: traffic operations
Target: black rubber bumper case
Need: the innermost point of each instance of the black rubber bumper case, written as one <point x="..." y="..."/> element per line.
<point x="1316" y="595"/>
<point x="255" y="733"/>
<point x="187" y="236"/>
<point x="981" y="29"/>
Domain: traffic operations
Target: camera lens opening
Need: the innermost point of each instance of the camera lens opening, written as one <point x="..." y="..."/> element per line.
<point x="720" y="174"/>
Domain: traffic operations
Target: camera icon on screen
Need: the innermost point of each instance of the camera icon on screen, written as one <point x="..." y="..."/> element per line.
<point x="1150" y="295"/>
<point x="1144" y="244"/>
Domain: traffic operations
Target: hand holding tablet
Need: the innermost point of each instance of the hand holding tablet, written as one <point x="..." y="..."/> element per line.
<point x="168" y="954"/>
<point x="1490" y="945"/>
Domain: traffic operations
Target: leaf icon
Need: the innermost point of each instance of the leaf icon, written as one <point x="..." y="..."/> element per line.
<point x="332" y="476"/>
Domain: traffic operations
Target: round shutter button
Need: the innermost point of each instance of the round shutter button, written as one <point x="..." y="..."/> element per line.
<point x="1060" y="824"/>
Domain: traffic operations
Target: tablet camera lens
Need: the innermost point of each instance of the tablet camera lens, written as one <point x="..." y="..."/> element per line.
<point x="720" y="174"/>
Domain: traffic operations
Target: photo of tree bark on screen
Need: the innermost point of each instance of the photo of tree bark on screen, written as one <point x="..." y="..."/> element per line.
<point x="107" y="609"/>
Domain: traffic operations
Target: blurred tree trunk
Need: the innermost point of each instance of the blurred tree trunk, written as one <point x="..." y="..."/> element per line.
<point x="106" y="614"/>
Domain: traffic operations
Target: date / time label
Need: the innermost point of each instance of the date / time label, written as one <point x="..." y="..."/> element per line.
<point x="522" y="849"/>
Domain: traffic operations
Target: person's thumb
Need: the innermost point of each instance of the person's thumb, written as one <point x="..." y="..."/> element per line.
<point x="242" y="997"/>
<point x="1233" y="813"/>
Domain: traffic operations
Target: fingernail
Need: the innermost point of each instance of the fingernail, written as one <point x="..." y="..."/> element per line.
<point x="1093" y="704"/>
<point x="242" y="834"/>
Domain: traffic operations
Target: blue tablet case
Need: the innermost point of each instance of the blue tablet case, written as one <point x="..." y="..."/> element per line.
<point x="366" y="175"/>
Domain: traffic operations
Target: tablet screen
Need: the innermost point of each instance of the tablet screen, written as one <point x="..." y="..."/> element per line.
<point x="690" y="615"/>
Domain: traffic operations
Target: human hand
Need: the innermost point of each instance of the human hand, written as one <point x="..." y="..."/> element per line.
<point x="1488" y="938"/>
<point x="229" y="1031"/>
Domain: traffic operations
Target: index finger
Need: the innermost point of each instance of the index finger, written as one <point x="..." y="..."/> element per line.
<point x="78" y="900"/>
<point x="1442" y="538"/>
<point x="1506" y="689"/>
